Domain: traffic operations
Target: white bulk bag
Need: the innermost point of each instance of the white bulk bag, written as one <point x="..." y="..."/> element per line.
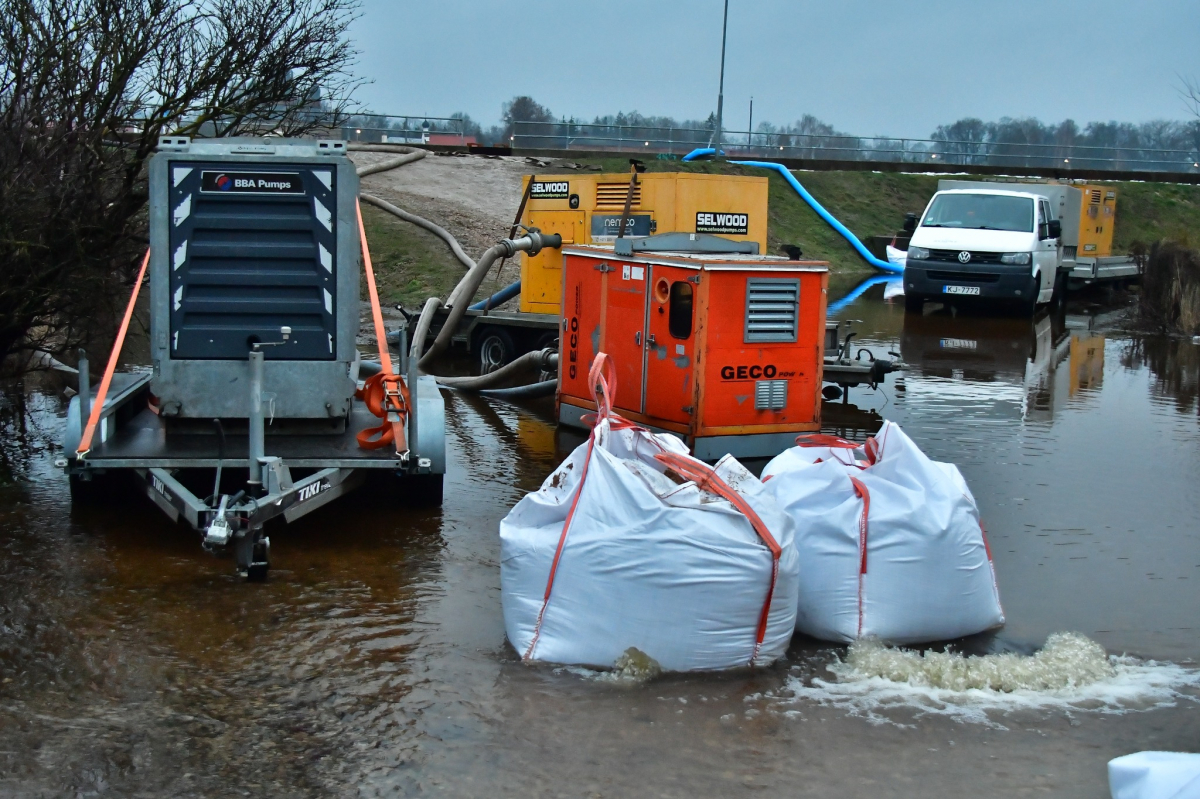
<point x="1155" y="775"/>
<point x="611" y="553"/>
<point x="890" y="542"/>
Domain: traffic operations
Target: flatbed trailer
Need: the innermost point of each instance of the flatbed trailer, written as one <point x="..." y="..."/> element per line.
<point x="1112" y="269"/>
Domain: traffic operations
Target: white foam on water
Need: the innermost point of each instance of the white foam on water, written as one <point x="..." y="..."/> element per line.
<point x="1070" y="673"/>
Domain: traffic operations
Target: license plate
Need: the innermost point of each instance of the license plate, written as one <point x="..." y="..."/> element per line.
<point x="960" y="289"/>
<point x="958" y="344"/>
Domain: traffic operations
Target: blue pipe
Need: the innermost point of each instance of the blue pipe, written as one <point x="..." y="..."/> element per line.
<point x="886" y="266"/>
<point x="700" y="153"/>
<point x="859" y="290"/>
<point x="500" y="297"/>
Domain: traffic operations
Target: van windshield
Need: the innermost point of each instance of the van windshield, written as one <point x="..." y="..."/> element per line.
<point x="981" y="212"/>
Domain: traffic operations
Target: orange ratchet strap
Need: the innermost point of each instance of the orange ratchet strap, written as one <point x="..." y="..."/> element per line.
<point x="385" y="394"/>
<point x="85" y="443"/>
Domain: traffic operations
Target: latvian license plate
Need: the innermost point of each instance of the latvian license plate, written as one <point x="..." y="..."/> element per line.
<point x="960" y="290"/>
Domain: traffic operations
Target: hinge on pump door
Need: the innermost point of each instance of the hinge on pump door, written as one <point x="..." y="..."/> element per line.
<point x="694" y="279"/>
<point x="604" y="267"/>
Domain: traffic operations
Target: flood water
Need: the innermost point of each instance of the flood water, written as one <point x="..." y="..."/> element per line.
<point x="374" y="662"/>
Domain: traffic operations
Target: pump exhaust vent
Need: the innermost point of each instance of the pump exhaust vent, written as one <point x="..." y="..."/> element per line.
<point x="772" y="308"/>
<point x="611" y="196"/>
<point x="770" y="395"/>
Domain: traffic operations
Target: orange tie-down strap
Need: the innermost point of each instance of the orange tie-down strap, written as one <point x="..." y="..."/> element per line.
<point x="89" y="432"/>
<point x="386" y="395"/>
<point x="707" y="479"/>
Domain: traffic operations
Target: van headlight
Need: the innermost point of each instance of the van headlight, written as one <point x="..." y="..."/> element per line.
<point x="917" y="253"/>
<point x="1017" y="258"/>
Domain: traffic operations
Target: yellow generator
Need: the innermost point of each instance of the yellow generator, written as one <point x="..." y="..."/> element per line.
<point x="1097" y="217"/>
<point x="587" y="209"/>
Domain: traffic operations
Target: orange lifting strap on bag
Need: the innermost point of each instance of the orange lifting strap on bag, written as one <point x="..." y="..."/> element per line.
<point x="386" y="395"/>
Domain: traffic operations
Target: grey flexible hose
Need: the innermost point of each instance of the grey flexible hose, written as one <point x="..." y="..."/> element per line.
<point x="546" y="359"/>
<point x="546" y="388"/>
<point x="421" y="331"/>
<point x="468" y="286"/>
<point x="392" y="163"/>
<point x="421" y="222"/>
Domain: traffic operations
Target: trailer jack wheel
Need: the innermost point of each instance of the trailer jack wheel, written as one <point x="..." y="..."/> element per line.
<point x="253" y="553"/>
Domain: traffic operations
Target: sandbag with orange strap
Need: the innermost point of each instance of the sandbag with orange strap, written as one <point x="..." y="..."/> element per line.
<point x="631" y="542"/>
<point x="890" y="542"/>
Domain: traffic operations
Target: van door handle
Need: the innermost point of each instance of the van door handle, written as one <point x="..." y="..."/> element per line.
<point x="650" y="341"/>
<point x="637" y="338"/>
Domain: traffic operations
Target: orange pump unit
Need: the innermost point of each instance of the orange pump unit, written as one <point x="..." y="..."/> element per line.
<point x="725" y="349"/>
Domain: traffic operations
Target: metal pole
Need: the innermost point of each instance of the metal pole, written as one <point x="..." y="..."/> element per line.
<point x="721" y="88"/>
<point x="85" y="390"/>
<point x="750" y="135"/>
<point x="257" y="431"/>
<point x="414" y="374"/>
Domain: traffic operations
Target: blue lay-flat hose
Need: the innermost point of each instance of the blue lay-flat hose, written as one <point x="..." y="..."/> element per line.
<point x="886" y="266"/>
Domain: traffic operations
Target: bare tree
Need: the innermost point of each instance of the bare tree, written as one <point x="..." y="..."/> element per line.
<point x="86" y="89"/>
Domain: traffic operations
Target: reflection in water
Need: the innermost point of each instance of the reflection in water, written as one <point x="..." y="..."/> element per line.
<point x="374" y="662"/>
<point x="1175" y="364"/>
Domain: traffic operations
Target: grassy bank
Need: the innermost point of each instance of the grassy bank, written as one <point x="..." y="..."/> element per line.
<point x="413" y="264"/>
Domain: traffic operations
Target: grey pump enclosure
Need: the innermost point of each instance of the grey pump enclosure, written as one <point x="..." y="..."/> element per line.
<point x="247" y="237"/>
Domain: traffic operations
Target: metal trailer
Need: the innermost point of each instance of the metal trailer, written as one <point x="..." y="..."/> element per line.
<point x="255" y="265"/>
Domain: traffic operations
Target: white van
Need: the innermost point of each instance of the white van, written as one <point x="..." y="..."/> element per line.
<point x="985" y="244"/>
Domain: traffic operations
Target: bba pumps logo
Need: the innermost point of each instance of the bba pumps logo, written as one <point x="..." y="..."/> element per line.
<point x="224" y="182"/>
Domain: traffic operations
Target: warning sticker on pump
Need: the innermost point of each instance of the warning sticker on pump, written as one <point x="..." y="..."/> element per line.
<point x="721" y="222"/>
<point x="251" y="183"/>
<point x="550" y="190"/>
<point x="960" y="289"/>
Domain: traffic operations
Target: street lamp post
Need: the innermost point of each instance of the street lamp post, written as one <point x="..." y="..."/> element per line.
<point x="721" y="88"/>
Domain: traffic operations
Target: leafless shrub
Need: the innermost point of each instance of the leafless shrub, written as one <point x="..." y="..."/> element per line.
<point x="1170" y="296"/>
<point x="86" y="89"/>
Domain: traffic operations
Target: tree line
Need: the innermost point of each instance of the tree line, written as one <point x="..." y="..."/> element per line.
<point x="965" y="139"/>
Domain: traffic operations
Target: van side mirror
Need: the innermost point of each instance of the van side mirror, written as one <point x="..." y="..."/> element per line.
<point x="1053" y="229"/>
<point x="910" y="222"/>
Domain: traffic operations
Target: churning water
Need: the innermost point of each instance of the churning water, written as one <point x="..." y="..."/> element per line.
<point x="1070" y="673"/>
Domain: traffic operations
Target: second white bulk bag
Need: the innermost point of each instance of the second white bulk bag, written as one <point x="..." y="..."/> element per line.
<point x="631" y="542"/>
<point x="890" y="542"/>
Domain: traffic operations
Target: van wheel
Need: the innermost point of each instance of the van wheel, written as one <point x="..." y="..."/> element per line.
<point x="914" y="303"/>
<point x="1028" y="306"/>
<point x="494" y="348"/>
<point x="1060" y="290"/>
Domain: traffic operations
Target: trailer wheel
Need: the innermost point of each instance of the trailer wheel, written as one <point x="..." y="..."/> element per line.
<point x="100" y="491"/>
<point x="423" y="490"/>
<point x="494" y="348"/>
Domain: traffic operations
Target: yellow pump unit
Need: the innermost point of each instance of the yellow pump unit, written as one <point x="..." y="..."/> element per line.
<point x="1097" y="217"/>
<point x="586" y="209"/>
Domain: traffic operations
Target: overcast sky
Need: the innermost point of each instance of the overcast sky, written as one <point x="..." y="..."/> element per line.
<point x="868" y="67"/>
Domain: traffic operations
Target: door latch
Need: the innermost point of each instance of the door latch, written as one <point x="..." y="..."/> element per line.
<point x="604" y="267"/>
<point x="650" y="342"/>
<point x="637" y="338"/>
